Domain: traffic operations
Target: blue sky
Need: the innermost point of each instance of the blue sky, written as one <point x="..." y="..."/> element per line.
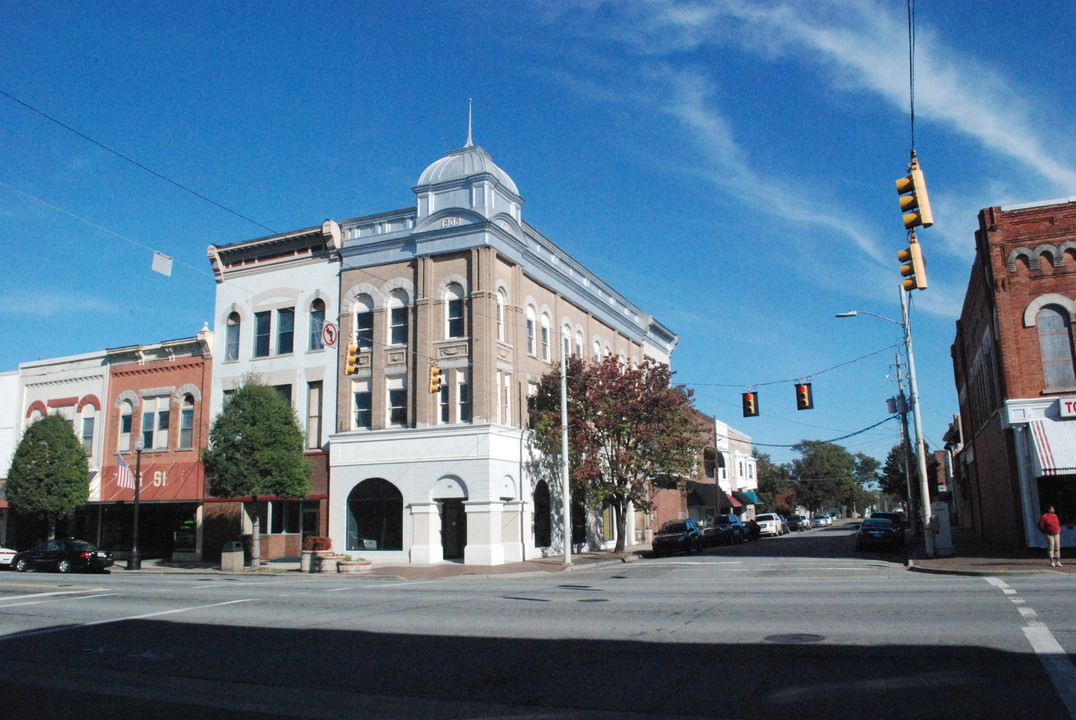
<point x="727" y="165"/>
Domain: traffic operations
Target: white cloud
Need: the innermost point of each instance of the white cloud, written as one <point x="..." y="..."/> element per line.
<point x="45" y="304"/>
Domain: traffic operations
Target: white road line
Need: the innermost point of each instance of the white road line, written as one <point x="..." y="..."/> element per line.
<point x="1056" y="661"/>
<point x="401" y="584"/>
<point x="46" y="631"/>
<point x="57" y="599"/>
<point x="48" y="594"/>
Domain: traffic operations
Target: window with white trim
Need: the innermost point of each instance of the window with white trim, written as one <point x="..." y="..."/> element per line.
<point x="313" y="415"/>
<point x="545" y="337"/>
<point x="186" y="423"/>
<point x="126" y="423"/>
<point x="502" y="301"/>
<point x="317" y="324"/>
<point x="363" y="416"/>
<point x="532" y="347"/>
<point x="263" y="322"/>
<point x="455" y="327"/>
<point x="285" y="331"/>
<point x="364" y="322"/>
<point x="231" y="337"/>
<point x="1055" y="346"/>
<point x="397" y="402"/>
<point x="398" y="318"/>
<point x="155" y="422"/>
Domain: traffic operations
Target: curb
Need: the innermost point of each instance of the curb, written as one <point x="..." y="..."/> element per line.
<point x="912" y="567"/>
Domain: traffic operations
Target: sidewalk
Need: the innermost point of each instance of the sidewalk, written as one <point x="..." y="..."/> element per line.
<point x="406" y="572"/>
<point x="974" y="557"/>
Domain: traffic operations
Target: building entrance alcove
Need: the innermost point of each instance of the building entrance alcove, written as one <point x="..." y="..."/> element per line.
<point x="375" y="516"/>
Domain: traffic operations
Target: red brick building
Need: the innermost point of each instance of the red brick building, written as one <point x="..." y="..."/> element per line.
<point x="1013" y="359"/>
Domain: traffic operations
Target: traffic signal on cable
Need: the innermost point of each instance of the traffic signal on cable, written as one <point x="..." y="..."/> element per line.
<point x="435" y="378"/>
<point x="750" y="404"/>
<point x="913" y="197"/>
<point x="913" y="267"/>
<point x="351" y="359"/>
<point x="804" y="396"/>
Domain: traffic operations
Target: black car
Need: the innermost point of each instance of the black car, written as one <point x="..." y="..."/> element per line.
<point x="726" y="529"/>
<point x="896" y="517"/>
<point x="63" y="555"/>
<point x="677" y="536"/>
<point x="876" y="532"/>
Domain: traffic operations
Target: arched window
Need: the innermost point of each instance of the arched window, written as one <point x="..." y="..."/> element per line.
<point x="375" y="516"/>
<point x="317" y="323"/>
<point x="398" y="318"/>
<point x="545" y="337"/>
<point x="597" y="351"/>
<point x="566" y="341"/>
<point x="501" y="302"/>
<point x="1055" y="344"/>
<point x="454" y="323"/>
<point x="126" y="421"/>
<point x="579" y="344"/>
<point x="364" y="321"/>
<point x="186" y="423"/>
<point x="231" y="337"/>
<point x="532" y="348"/>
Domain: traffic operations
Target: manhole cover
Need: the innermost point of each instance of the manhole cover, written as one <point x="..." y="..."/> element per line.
<point x="793" y="638"/>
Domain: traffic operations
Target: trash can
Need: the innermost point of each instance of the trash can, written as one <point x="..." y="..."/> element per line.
<point x="231" y="557"/>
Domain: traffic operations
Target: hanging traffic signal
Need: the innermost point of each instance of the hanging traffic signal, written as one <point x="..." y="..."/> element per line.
<point x="750" y="404"/>
<point x="435" y="378"/>
<point x="913" y="197"/>
<point x="351" y="359"/>
<point x="804" y="396"/>
<point x="913" y="267"/>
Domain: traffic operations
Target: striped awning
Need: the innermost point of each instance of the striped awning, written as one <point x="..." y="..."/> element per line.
<point x="1055" y="447"/>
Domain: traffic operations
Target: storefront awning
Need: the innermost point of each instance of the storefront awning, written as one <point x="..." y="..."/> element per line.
<point x="709" y="495"/>
<point x="1055" y="447"/>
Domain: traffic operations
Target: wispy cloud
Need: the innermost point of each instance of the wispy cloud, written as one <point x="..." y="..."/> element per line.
<point x="45" y="304"/>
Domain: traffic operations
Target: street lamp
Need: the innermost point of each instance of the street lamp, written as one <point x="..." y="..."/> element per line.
<point x="134" y="560"/>
<point x="924" y="487"/>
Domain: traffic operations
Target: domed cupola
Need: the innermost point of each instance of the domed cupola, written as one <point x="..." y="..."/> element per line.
<point x="467" y="179"/>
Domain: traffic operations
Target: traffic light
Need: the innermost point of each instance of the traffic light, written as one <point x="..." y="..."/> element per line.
<point x="750" y="404"/>
<point x="804" y="396"/>
<point x="913" y="197"/>
<point x="351" y="359"/>
<point x="435" y="378"/>
<point x="913" y="267"/>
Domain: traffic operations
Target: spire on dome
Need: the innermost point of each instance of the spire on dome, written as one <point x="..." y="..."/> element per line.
<point x="470" y="143"/>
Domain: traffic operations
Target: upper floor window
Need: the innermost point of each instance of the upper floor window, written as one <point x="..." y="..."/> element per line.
<point x="454" y="324"/>
<point x="398" y="318"/>
<point x="87" y="429"/>
<point x="1055" y="344"/>
<point x="579" y="344"/>
<point x="126" y="422"/>
<point x="186" y="423"/>
<point x="231" y="337"/>
<point x="313" y="414"/>
<point x="545" y="337"/>
<point x="262" y="333"/>
<point x="285" y="331"/>
<point x="364" y="322"/>
<point x="501" y="302"/>
<point x="597" y="351"/>
<point x="566" y="341"/>
<point x="317" y="324"/>
<point x="532" y="347"/>
<point x="397" y="398"/>
<point x="155" y="412"/>
<point x="363" y="406"/>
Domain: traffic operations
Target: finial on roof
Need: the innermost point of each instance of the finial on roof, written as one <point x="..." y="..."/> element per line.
<point x="469" y="141"/>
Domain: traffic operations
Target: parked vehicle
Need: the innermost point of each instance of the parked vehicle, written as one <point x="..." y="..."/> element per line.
<point x="770" y="524"/>
<point x="63" y="555"/>
<point x="822" y="520"/>
<point x="897" y="518"/>
<point x="880" y="533"/>
<point x="677" y="536"/>
<point x="799" y="522"/>
<point x="723" y="529"/>
<point x="6" y="555"/>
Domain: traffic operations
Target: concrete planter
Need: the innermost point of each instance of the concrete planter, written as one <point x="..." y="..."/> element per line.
<point x="307" y="561"/>
<point x="353" y="566"/>
<point x="328" y="563"/>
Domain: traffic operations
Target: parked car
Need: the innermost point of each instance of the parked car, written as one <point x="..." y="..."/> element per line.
<point x="896" y="517"/>
<point x="6" y="555"/>
<point x="723" y="529"/>
<point x="63" y="555"/>
<point x="770" y="524"/>
<point x="677" y="536"/>
<point x="799" y="522"/>
<point x="822" y="520"/>
<point x="876" y="532"/>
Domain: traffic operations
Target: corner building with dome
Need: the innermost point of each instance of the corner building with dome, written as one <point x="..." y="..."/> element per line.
<point x="460" y="281"/>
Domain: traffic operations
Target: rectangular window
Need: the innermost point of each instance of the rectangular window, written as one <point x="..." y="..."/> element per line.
<point x="231" y="340"/>
<point x="285" y="331"/>
<point x="364" y="415"/>
<point x="397" y="403"/>
<point x="125" y="428"/>
<point x="464" y="399"/>
<point x="445" y="407"/>
<point x="455" y="318"/>
<point x="284" y="517"/>
<point x="186" y="427"/>
<point x="398" y="326"/>
<point x="87" y="434"/>
<point x="262" y="333"/>
<point x="313" y="415"/>
<point x="364" y="329"/>
<point x="285" y="392"/>
<point x="317" y="325"/>
<point x="155" y="423"/>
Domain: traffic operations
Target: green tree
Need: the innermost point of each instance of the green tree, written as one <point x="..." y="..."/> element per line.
<point x="775" y="490"/>
<point x="256" y="448"/>
<point x="827" y="474"/>
<point x="628" y="429"/>
<point x="49" y="472"/>
<point x="893" y="479"/>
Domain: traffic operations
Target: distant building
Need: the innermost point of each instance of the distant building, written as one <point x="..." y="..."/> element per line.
<point x="1013" y="359"/>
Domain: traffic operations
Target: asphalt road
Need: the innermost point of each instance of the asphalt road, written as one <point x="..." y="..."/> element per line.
<point x="799" y="626"/>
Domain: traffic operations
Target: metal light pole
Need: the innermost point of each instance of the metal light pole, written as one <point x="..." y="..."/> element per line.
<point x="134" y="560"/>
<point x="924" y="487"/>
<point x="565" y="491"/>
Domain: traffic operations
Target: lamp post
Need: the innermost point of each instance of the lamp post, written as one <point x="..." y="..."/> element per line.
<point x="924" y="487"/>
<point x="134" y="560"/>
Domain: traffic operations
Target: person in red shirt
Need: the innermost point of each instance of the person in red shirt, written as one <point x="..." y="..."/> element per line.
<point x="1050" y="526"/>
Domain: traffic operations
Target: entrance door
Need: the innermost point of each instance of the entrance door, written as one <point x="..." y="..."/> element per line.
<point x="453" y="529"/>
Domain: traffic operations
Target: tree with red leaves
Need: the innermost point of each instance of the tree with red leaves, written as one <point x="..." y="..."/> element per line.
<point x="629" y="429"/>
